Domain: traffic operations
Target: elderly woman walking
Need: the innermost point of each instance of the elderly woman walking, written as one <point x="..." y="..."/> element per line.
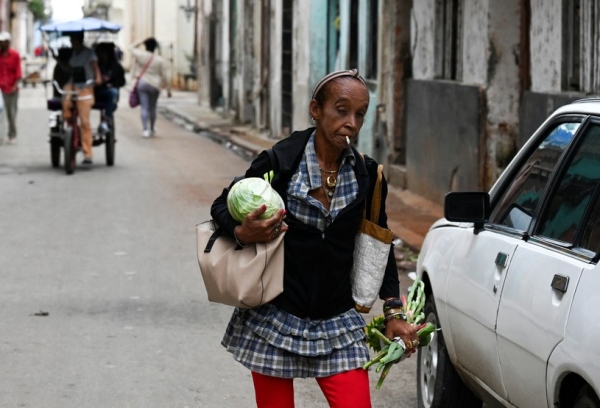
<point x="312" y="329"/>
<point x="152" y="73"/>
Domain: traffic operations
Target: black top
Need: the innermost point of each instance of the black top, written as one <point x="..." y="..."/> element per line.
<point x="113" y="75"/>
<point x="317" y="264"/>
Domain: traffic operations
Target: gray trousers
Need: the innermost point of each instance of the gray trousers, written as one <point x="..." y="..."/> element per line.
<point x="10" y="106"/>
<point x="148" y="100"/>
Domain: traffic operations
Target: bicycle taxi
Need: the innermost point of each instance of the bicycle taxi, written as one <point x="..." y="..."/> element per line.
<point x="66" y="134"/>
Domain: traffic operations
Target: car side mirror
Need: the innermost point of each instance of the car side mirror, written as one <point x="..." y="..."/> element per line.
<point x="472" y="206"/>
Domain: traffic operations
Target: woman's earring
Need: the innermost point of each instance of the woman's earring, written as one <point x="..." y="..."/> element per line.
<point x="312" y="120"/>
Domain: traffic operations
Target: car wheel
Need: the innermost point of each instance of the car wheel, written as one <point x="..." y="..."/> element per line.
<point x="438" y="383"/>
<point x="586" y="398"/>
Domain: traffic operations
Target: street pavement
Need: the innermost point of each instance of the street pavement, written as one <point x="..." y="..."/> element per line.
<point x="101" y="299"/>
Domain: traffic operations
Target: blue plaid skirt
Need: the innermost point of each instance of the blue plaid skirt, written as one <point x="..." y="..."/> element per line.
<point x="275" y="343"/>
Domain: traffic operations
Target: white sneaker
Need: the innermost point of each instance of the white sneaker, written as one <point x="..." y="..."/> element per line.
<point x="153" y="132"/>
<point x="146" y="133"/>
<point x="104" y="127"/>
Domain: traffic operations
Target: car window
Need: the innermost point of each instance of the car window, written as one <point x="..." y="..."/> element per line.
<point x="591" y="234"/>
<point x="518" y="203"/>
<point x="576" y="188"/>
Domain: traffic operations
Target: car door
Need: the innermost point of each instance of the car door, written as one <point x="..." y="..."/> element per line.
<point x="481" y="261"/>
<point x="544" y="273"/>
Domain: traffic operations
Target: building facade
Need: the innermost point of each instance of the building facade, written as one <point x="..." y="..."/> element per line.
<point x="172" y="23"/>
<point x="456" y="86"/>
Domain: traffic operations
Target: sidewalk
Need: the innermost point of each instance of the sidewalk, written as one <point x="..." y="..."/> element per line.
<point x="409" y="215"/>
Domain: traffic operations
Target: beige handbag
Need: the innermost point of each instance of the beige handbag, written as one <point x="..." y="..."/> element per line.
<point x="243" y="277"/>
<point x="371" y="252"/>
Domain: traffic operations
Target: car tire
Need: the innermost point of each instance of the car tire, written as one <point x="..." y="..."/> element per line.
<point x="586" y="398"/>
<point x="438" y="383"/>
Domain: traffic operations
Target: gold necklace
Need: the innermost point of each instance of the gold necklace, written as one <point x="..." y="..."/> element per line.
<point x="332" y="179"/>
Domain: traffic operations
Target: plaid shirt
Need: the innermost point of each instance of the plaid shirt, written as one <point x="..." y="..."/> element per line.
<point x="308" y="209"/>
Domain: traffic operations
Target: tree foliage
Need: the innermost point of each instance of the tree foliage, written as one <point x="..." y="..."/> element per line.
<point x="37" y="8"/>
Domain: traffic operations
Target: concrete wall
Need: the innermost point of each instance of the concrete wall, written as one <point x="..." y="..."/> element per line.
<point x="275" y="70"/>
<point x="443" y="138"/>
<point x="503" y="87"/>
<point x="393" y="69"/>
<point x="423" y="39"/>
<point x="546" y="49"/>
<point x="162" y="19"/>
<point x="302" y="51"/>
<point x="244" y="61"/>
<point x="318" y="44"/>
<point x="182" y="36"/>
<point x="4" y="15"/>
<point x="475" y="42"/>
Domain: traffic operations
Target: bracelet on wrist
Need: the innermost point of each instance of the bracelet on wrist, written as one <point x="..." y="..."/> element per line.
<point x="239" y="242"/>
<point x="392" y="303"/>
<point x="399" y="316"/>
<point x="392" y="311"/>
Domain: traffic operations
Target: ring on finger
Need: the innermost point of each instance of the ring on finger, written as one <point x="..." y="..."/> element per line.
<point x="276" y="230"/>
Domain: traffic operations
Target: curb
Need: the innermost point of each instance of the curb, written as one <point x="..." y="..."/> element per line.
<point x="217" y="134"/>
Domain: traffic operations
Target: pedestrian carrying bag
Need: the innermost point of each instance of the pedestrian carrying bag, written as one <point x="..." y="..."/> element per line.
<point x="371" y="253"/>
<point x="134" y="97"/>
<point x="243" y="277"/>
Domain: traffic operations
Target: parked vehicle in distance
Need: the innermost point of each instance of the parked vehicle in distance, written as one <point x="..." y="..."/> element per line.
<point x="512" y="278"/>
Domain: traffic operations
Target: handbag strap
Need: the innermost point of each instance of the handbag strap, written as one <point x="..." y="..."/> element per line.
<point x="144" y="68"/>
<point x="376" y="199"/>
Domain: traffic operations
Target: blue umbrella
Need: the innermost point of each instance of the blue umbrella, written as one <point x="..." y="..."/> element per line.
<point x="83" y="24"/>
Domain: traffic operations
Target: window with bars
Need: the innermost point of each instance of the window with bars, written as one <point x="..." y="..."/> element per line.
<point x="448" y="39"/>
<point x="363" y="40"/>
<point x="372" y="26"/>
<point x="581" y="46"/>
<point x="287" y="66"/>
<point x="571" y="73"/>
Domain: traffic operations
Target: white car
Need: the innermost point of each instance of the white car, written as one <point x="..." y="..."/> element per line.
<point x="513" y="281"/>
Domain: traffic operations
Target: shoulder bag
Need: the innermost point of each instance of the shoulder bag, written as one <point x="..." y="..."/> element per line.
<point x="371" y="253"/>
<point x="243" y="277"/>
<point x="134" y="97"/>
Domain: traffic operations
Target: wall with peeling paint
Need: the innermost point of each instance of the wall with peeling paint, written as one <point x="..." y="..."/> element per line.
<point x="275" y="70"/>
<point x="502" y="87"/>
<point x="302" y="51"/>
<point x="475" y="42"/>
<point x="422" y="30"/>
<point x="546" y="49"/>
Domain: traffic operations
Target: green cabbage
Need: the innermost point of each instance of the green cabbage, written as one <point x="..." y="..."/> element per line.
<point x="251" y="193"/>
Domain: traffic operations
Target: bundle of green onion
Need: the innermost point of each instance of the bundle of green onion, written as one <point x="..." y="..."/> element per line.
<point x="388" y="352"/>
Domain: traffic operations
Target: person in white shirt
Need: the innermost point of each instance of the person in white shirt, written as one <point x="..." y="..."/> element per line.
<point x="153" y="74"/>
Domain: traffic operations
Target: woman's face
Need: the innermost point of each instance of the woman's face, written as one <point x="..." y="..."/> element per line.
<point x="342" y="112"/>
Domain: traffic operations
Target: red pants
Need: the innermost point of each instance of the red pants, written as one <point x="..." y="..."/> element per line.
<point x="345" y="390"/>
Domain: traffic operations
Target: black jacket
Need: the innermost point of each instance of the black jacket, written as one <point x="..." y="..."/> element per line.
<point x="317" y="264"/>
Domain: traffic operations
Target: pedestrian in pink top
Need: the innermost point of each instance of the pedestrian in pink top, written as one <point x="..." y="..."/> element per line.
<point x="10" y="74"/>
